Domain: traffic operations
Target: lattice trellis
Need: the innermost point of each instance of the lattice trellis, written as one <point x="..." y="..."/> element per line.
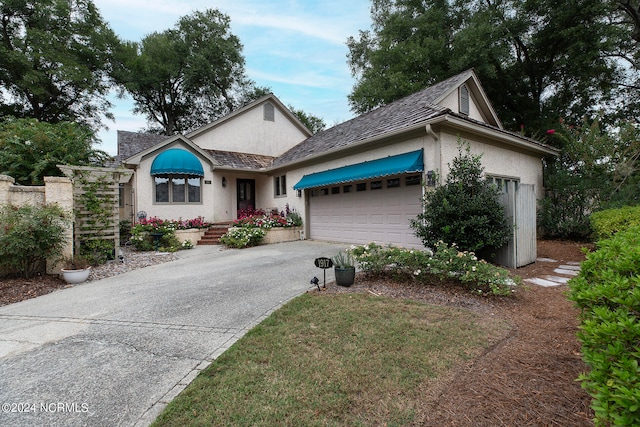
<point x="96" y="210"/>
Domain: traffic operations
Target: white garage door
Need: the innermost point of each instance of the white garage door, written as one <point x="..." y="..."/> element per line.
<point x="372" y="211"/>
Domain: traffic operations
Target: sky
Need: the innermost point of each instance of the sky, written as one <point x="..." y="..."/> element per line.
<point x="295" y="47"/>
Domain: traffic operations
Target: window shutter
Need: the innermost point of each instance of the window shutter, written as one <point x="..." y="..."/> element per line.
<point x="464" y="100"/>
<point x="269" y="113"/>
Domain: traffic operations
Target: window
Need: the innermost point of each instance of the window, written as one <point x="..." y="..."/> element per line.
<point x="280" y="185"/>
<point x="335" y="190"/>
<point x="362" y="186"/>
<point x="413" y="180"/>
<point x="502" y="183"/>
<point x="393" y="183"/>
<point x="178" y="189"/>
<point x="376" y="185"/>
<point x="269" y="112"/>
<point x="464" y="100"/>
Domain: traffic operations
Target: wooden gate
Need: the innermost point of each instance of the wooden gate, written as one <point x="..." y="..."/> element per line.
<point x="519" y="201"/>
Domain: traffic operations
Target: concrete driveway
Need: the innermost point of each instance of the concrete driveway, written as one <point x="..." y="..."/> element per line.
<point x="114" y="352"/>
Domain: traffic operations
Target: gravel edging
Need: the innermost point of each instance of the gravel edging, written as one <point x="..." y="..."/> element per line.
<point x="131" y="260"/>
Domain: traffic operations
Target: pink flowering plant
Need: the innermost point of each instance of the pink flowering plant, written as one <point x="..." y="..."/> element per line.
<point x="446" y="263"/>
<point x="260" y="219"/>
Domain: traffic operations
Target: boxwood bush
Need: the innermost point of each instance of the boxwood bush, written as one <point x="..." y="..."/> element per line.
<point x="608" y="222"/>
<point x="607" y="290"/>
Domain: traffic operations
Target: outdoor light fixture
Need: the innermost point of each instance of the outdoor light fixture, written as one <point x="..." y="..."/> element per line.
<point x="431" y="179"/>
<point x="299" y="193"/>
<point x="224" y="182"/>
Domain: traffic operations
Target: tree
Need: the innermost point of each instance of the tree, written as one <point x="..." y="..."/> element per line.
<point x="313" y="123"/>
<point x="538" y="60"/>
<point x="186" y="76"/>
<point x="31" y="150"/>
<point x="55" y="60"/>
<point x="594" y="170"/>
<point x="465" y="210"/>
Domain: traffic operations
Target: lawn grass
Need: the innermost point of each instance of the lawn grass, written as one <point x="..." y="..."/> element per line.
<point x="335" y="360"/>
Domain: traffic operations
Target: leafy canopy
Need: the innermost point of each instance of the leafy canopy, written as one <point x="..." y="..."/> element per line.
<point x="187" y="76"/>
<point x="56" y="55"/>
<point x="538" y="60"/>
<point x="31" y="150"/>
<point x="594" y="170"/>
<point x="465" y="210"/>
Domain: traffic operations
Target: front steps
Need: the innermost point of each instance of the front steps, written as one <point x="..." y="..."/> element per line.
<point x="213" y="234"/>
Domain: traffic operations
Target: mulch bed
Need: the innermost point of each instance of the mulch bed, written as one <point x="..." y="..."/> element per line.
<point x="527" y="379"/>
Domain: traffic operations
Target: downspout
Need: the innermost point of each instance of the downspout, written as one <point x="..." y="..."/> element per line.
<point x="437" y="152"/>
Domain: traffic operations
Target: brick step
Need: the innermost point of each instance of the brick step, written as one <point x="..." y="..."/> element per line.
<point x="213" y="234"/>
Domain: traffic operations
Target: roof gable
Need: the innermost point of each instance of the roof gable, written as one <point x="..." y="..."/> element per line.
<point x="253" y="105"/>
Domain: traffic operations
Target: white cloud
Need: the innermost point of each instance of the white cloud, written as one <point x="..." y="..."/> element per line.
<point x="295" y="47"/>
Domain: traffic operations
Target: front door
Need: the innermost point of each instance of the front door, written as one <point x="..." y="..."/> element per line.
<point x="246" y="194"/>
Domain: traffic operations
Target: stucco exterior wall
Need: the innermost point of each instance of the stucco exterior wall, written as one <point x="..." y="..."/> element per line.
<point x="496" y="160"/>
<point x="250" y="133"/>
<point x="144" y="194"/>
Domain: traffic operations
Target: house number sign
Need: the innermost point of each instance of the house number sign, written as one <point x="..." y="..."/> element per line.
<point x="323" y="262"/>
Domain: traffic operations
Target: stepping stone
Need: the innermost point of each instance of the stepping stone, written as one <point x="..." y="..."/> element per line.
<point x="565" y="272"/>
<point x="546" y="260"/>
<point x="573" y="262"/>
<point x="542" y="282"/>
<point x="570" y="267"/>
<point x="561" y="280"/>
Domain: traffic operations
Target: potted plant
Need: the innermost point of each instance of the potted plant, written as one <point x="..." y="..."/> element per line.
<point x="76" y="270"/>
<point x="344" y="268"/>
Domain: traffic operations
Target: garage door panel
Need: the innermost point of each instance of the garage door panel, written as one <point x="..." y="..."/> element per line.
<point x="380" y="215"/>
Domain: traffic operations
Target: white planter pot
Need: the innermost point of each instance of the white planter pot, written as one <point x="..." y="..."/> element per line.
<point x="76" y="276"/>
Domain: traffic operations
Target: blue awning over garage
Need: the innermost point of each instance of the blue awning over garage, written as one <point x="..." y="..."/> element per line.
<point x="176" y="162"/>
<point x="393" y="165"/>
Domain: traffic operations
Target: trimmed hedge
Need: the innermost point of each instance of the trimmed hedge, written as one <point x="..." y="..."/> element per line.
<point x="608" y="222"/>
<point x="607" y="290"/>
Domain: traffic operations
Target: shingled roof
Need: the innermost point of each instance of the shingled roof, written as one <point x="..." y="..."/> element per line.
<point x="131" y="143"/>
<point x="404" y="113"/>
<point x="241" y="160"/>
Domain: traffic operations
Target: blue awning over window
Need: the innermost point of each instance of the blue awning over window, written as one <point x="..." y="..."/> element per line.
<point x="392" y="165"/>
<point x="176" y="162"/>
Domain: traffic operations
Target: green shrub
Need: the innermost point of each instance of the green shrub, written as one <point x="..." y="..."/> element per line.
<point x="608" y="222"/>
<point x="97" y="251"/>
<point x="243" y="237"/>
<point x="465" y="210"/>
<point x="31" y="235"/>
<point x="446" y="263"/>
<point x="607" y="290"/>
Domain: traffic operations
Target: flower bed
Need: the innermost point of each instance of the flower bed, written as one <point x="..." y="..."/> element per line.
<point x="175" y="234"/>
<point x="255" y="226"/>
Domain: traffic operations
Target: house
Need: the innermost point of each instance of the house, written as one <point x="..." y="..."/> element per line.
<point x="357" y="182"/>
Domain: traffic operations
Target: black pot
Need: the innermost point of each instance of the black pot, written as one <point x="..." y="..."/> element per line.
<point x="345" y="276"/>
